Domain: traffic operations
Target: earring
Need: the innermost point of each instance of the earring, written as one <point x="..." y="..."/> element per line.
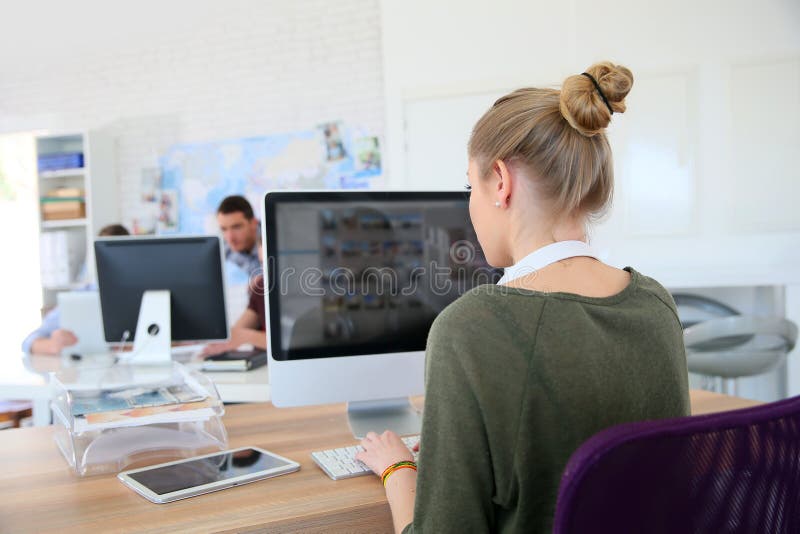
<point x="496" y="203"/>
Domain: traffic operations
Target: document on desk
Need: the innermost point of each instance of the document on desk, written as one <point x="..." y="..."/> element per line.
<point x="170" y="413"/>
<point x="136" y="397"/>
<point x="175" y="394"/>
<point x="139" y="406"/>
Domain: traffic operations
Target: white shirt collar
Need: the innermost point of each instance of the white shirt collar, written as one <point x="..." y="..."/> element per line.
<point x="544" y="256"/>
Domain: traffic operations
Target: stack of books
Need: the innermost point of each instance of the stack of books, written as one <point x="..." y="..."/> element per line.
<point x="63" y="203"/>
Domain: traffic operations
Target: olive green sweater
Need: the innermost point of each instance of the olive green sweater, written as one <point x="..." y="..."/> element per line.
<point x="516" y="380"/>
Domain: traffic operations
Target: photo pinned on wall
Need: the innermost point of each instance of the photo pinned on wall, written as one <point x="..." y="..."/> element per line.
<point x="147" y="221"/>
<point x="168" y="211"/>
<point x="368" y="156"/>
<point x="334" y="141"/>
<point x="151" y="185"/>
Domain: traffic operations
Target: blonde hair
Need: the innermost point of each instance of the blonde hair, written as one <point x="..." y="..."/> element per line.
<point x="559" y="136"/>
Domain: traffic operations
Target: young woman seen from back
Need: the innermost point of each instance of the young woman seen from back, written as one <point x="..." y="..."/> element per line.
<point x="519" y="374"/>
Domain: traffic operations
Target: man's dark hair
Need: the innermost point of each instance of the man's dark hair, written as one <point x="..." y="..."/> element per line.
<point x="235" y="203"/>
<point x="113" y="229"/>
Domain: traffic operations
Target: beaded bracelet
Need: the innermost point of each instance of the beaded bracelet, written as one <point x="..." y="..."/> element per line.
<point x="395" y="467"/>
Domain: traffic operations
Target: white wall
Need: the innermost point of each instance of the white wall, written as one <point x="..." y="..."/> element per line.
<point x="440" y="49"/>
<point x="717" y="81"/>
<point x="159" y="73"/>
<point x="707" y="183"/>
<point x="19" y="283"/>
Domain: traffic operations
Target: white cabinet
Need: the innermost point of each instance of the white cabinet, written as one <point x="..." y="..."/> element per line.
<point x="78" y="196"/>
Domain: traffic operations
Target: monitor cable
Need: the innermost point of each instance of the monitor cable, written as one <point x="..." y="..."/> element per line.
<point x="128" y="357"/>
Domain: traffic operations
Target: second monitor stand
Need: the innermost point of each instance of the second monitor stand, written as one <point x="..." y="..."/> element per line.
<point x="152" y="344"/>
<point x="397" y="415"/>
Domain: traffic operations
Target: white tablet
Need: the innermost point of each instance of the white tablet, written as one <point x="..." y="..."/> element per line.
<point x="203" y="474"/>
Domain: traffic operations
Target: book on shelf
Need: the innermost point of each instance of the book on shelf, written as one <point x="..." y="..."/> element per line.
<point x="237" y="360"/>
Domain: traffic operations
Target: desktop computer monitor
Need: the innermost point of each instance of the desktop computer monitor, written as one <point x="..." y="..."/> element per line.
<point x="155" y="290"/>
<point x="353" y="282"/>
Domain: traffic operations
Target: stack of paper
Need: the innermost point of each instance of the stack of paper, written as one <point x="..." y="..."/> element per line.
<point x="121" y="396"/>
<point x="61" y="256"/>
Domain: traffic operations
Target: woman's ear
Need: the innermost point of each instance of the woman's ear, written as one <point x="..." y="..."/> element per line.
<point x="504" y="184"/>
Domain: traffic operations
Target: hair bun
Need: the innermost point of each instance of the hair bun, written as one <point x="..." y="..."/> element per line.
<point x="583" y="106"/>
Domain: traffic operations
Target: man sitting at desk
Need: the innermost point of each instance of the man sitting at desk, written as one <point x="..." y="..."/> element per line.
<point x="251" y="326"/>
<point x="240" y="231"/>
<point x="49" y="338"/>
<point x="239" y="228"/>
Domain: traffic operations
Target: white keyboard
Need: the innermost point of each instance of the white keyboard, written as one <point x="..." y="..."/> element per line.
<point x="341" y="463"/>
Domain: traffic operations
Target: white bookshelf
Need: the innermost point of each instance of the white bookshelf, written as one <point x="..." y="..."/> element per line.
<point x="66" y="244"/>
<point x="64" y="223"/>
<point x="64" y="173"/>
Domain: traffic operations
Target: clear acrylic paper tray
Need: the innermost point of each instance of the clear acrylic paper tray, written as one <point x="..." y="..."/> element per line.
<point x="109" y="446"/>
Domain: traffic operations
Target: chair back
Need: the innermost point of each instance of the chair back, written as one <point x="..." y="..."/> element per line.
<point x="731" y="472"/>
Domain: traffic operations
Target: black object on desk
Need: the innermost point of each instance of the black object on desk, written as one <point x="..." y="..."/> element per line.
<point x="237" y="360"/>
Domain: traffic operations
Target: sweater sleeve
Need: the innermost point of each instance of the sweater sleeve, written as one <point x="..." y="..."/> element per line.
<point x="455" y="483"/>
<point x="49" y="325"/>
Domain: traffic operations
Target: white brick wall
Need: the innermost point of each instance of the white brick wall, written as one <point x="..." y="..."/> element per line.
<point x="188" y="71"/>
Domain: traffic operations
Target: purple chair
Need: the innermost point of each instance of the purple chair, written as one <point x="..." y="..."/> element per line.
<point x="729" y="472"/>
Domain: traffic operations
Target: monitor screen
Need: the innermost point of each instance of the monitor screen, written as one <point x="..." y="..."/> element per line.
<point x="189" y="267"/>
<point x="365" y="272"/>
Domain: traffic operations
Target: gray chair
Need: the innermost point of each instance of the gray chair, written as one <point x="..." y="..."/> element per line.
<point x="738" y="346"/>
<point x="698" y="308"/>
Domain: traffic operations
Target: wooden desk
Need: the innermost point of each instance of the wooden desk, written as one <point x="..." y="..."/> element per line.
<point x="38" y="493"/>
<point x="708" y="402"/>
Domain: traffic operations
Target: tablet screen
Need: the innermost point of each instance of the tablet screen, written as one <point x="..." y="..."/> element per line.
<point x="202" y="471"/>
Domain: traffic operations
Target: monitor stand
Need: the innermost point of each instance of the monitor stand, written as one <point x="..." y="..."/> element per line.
<point x="397" y="415"/>
<point x="152" y="345"/>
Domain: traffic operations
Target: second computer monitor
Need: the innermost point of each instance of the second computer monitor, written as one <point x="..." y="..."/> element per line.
<point x="190" y="268"/>
<point x="354" y="282"/>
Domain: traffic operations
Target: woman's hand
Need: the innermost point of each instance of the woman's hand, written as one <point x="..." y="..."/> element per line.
<point x="379" y="453"/>
<point x="382" y="451"/>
